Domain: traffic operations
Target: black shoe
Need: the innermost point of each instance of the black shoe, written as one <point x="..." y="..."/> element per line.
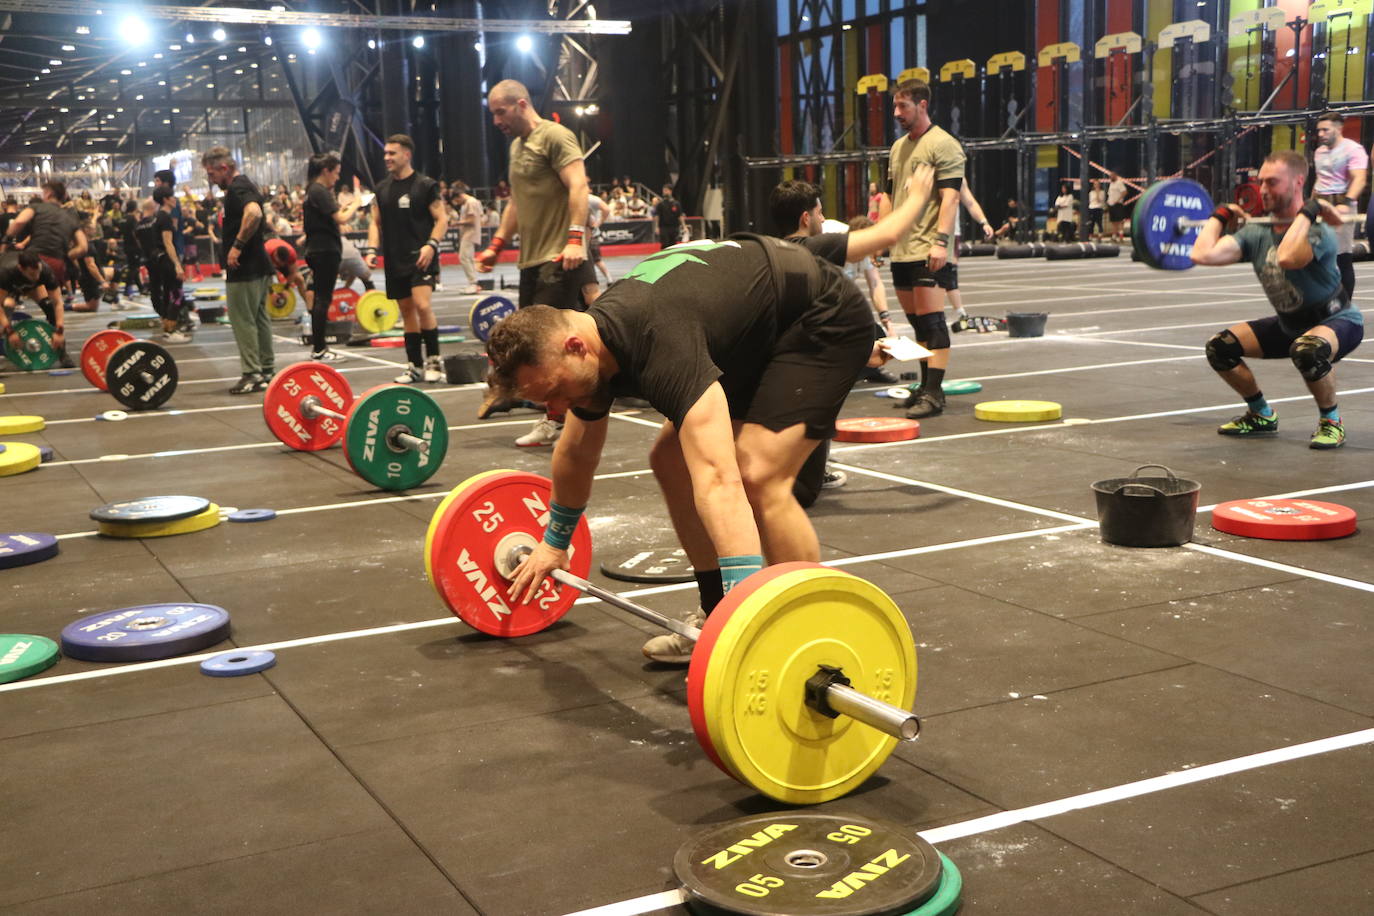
<point x="65" y="361"/>
<point x="928" y="405"/>
<point x="248" y="384"/>
<point x="910" y="400"/>
<point x="879" y="375"/>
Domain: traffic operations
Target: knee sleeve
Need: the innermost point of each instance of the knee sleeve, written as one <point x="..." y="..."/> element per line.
<point x="931" y="330"/>
<point x="1312" y="356"/>
<point x="1224" y="351"/>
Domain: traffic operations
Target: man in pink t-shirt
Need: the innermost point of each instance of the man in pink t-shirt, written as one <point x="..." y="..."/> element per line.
<point x="1342" y="169"/>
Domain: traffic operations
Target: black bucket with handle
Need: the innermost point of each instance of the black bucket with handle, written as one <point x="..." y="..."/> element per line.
<point x="1140" y="511"/>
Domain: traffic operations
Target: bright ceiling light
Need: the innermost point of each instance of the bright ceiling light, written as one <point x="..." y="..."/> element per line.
<point x="219" y="34"/>
<point x="134" y="30"/>
<point x="418" y="41"/>
<point x="311" y="38"/>
<point x="524" y="44"/>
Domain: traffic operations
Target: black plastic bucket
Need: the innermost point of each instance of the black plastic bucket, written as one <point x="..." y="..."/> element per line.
<point x="1026" y="324"/>
<point x="1140" y="511"/>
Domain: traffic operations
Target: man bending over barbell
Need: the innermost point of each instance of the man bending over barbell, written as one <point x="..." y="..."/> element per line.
<point x="1295" y="261"/>
<point x="748" y="348"/>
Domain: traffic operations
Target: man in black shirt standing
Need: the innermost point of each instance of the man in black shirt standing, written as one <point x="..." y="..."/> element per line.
<point x="322" y="218"/>
<point x="248" y="273"/>
<point x="408" y="221"/>
<point x="669" y="220"/>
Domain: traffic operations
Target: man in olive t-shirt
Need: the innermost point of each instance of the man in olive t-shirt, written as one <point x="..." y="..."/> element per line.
<point x="919" y="256"/>
<point x="548" y="208"/>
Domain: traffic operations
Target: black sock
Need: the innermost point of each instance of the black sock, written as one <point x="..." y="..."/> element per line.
<point x="431" y="339"/>
<point x="413" y="349"/>
<point x="368" y="285"/>
<point x="934" y="381"/>
<point x="710" y="588"/>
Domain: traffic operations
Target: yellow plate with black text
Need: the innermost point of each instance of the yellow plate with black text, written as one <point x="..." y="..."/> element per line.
<point x="746" y="684"/>
<point x="209" y="518"/>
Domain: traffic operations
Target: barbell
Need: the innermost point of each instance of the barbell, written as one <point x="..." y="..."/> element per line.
<point x="1167" y="216"/>
<point x="801" y="679"/>
<point x="394" y="436"/>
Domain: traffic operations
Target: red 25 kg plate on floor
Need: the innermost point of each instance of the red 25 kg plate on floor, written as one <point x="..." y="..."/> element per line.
<point x="343" y="304"/>
<point x="876" y="429"/>
<point x="1284" y="519"/>
<point x="96" y="353"/>
<point x="492" y="509"/>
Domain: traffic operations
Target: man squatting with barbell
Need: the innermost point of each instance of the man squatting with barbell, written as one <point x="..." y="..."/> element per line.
<point x="748" y="347"/>
<point x="1295" y="260"/>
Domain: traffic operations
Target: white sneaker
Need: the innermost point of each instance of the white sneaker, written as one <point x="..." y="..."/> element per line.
<point x="326" y="356"/>
<point x="471" y="290"/>
<point x="545" y="432"/>
<point x="671" y="648"/>
<point x="833" y="479"/>
<point x="438" y="287"/>
<point x="176" y="337"/>
<point x="434" y="369"/>
<point x="412" y="374"/>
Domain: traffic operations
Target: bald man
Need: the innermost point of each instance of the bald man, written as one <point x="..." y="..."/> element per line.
<point x="548" y="208"/>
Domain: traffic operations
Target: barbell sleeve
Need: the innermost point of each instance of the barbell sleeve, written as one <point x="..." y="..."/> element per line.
<point x="886" y="718"/>
<point x="311" y="408"/>
<point x="414" y="443"/>
<point x="1185" y="223"/>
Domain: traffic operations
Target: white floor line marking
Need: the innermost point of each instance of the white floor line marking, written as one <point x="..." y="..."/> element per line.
<point x="89" y="389"/>
<point x="966" y="494"/>
<point x="177" y="453"/>
<point x="1034" y="427"/>
<point x="1087" y="522"/>
<point x="1282" y="567"/>
<point x="375" y="501"/>
<point x="443" y="621"/>
<point x="1149" y="786"/>
<point x="1002" y="819"/>
<point x="251" y="405"/>
<point x="1298" y="494"/>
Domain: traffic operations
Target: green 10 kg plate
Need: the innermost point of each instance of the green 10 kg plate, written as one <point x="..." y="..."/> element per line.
<point x="36" y="350"/>
<point x="384" y="434"/>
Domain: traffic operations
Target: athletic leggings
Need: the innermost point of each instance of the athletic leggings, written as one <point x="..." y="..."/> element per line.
<point x="164" y="289"/>
<point x="324" y="270"/>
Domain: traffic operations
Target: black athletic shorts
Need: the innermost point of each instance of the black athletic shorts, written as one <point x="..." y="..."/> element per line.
<point x="550" y="284"/>
<point x="1274" y="340"/>
<point x="806" y="382"/>
<point x="400" y="282"/>
<point x="914" y="274"/>
<point x="1118" y="212"/>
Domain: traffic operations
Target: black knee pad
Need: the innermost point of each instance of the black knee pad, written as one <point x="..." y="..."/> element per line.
<point x="931" y="331"/>
<point x="1312" y="356"/>
<point x="1224" y="351"/>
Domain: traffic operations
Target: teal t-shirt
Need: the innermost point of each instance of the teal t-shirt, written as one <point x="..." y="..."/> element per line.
<point x="1304" y="296"/>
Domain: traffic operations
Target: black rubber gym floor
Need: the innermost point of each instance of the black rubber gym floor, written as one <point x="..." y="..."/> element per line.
<point x="1107" y="730"/>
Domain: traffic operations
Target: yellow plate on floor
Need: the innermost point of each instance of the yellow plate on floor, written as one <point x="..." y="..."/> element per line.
<point x="752" y="667"/>
<point x="376" y="313"/>
<point x="281" y="301"/>
<point x="2" y="387"/>
<point x="10" y="426"/>
<point x="19" y="457"/>
<point x="206" y="519"/>
<point x="1017" y="411"/>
